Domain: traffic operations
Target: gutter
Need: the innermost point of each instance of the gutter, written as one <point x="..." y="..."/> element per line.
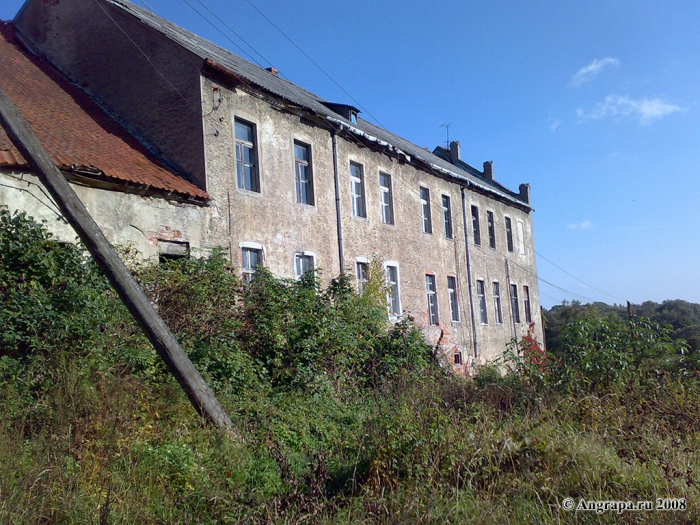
<point x="339" y="217"/>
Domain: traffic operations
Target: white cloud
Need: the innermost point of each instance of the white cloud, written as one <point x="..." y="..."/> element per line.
<point x="586" y="74"/>
<point x="585" y="225"/>
<point x="617" y="107"/>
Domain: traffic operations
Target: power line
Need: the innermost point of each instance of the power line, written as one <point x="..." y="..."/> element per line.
<point x="579" y="280"/>
<point x="315" y="63"/>
<point x="225" y="35"/>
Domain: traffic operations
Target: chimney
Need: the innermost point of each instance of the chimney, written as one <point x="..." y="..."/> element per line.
<point x="273" y="70"/>
<point x="524" y="193"/>
<point x="455" y="151"/>
<point x="488" y="170"/>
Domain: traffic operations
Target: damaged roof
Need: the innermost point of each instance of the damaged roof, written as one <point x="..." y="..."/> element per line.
<point x="78" y="134"/>
<point x="286" y="90"/>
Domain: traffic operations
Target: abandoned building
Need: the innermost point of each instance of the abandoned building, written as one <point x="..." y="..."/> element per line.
<point x="176" y="145"/>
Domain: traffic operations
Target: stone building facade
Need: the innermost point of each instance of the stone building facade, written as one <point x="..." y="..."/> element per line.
<point x="280" y="177"/>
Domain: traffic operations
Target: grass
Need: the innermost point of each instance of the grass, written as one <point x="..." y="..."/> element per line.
<point x="111" y="448"/>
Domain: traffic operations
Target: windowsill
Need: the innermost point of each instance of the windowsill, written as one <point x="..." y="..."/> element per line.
<point x="361" y="219"/>
<point x="249" y="193"/>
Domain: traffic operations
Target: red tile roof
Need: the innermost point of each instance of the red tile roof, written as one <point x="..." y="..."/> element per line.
<point x="73" y="129"/>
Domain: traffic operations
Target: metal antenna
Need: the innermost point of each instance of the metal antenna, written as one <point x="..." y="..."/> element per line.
<point x="447" y="129"/>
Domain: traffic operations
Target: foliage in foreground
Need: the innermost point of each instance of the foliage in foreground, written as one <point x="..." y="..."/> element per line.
<point x="341" y="418"/>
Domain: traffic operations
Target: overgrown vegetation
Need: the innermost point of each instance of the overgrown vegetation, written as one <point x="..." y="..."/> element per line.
<point x="341" y="417"/>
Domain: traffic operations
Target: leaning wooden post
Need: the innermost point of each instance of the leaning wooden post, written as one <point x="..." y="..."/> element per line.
<point x="199" y="394"/>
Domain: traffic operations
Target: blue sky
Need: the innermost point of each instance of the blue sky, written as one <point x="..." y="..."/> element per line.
<point x="594" y="103"/>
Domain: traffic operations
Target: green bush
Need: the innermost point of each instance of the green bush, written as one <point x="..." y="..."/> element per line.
<point x="340" y="415"/>
<point x="50" y="292"/>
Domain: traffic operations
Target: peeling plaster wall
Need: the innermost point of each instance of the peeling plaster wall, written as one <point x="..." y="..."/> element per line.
<point x="284" y="227"/>
<point x="489" y="265"/>
<point x="272" y="217"/>
<point x="203" y="146"/>
<point x="125" y="219"/>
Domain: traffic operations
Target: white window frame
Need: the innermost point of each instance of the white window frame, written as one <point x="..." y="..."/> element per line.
<point x="392" y="312"/>
<point x="448" y="228"/>
<point x="432" y="297"/>
<point x="453" y="298"/>
<point x="527" y="303"/>
<point x="248" y="273"/>
<point x="304" y="254"/>
<point x="240" y="160"/>
<point x="426" y="213"/>
<point x="509" y="234"/>
<point x="491" y="227"/>
<point x="387" y="199"/>
<point x="514" y="303"/>
<point x="497" y="302"/>
<point x="299" y="164"/>
<point x="481" y="296"/>
<point x="476" y="225"/>
<point x="361" y="284"/>
<point x="359" y="200"/>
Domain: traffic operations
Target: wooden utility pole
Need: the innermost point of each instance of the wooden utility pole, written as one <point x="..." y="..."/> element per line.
<point x="199" y="394"/>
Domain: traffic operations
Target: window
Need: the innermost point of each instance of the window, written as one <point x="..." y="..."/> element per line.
<point x="526" y="298"/>
<point x="303" y="262"/>
<point x="246" y="157"/>
<point x="170" y="250"/>
<point x="357" y="183"/>
<point x="362" y="272"/>
<point x="432" y="299"/>
<point x="476" y="228"/>
<point x="454" y="302"/>
<point x="492" y="229"/>
<point x="425" y="208"/>
<point x="387" y="198"/>
<point x="514" y="303"/>
<point x="481" y="294"/>
<point x="447" y="216"/>
<point x="521" y="238"/>
<point x="392" y="283"/>
<point x="509" y="234"/>
<point x="497" y="309"/>
<point x="252" y="258"/>
<point x="303" y="174"/>
<point x="458" y="358"/>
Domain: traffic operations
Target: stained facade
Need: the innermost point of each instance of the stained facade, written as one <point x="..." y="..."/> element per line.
<point x="282" y="178"/>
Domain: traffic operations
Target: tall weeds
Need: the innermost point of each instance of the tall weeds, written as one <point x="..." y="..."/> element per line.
<point x="343" y="417"/>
